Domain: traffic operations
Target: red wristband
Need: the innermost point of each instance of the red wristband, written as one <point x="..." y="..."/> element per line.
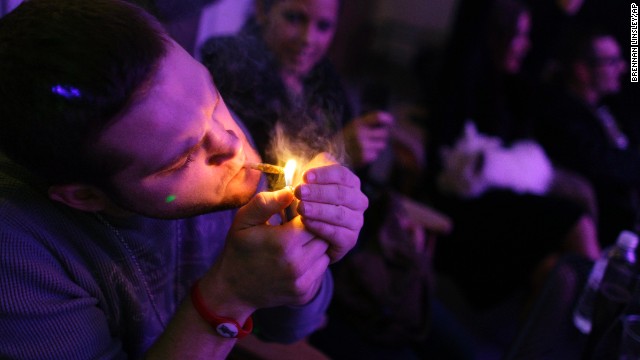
<point x="225" y="327"/>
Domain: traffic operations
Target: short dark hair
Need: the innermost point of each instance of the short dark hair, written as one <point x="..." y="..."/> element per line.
<point x="577" y="45"/>
<point x="69" y="68"/>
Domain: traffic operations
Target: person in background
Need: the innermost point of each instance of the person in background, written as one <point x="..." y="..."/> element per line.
<point x="130" y="226"/>
<point x="551" y="20"/>
<point x="506" y="231"/>
<point x="584" y="128"/>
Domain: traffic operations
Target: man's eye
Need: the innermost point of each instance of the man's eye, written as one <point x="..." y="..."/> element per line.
<point x="181" y="166"/>
<point x="186" y="163"/>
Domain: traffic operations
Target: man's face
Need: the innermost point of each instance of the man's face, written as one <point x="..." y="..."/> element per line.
<point x="186" y="152"/>
<point x="299" y="32"/>
<point x="607" y="66"/>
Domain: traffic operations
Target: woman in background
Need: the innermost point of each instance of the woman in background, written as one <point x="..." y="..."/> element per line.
<point x="275" y="71"/>
<point x="504" y="239"/>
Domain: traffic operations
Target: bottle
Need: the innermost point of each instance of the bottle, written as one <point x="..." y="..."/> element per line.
<point x="626" y="330"/>
<point x="621" y="258"/>
<point x="614" y="302"/>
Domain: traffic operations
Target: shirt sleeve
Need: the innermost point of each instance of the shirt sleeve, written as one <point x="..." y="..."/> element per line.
<point x="44" y="314"/>
<point x="288" y="324"/>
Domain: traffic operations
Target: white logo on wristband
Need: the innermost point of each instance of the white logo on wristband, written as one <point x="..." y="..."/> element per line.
<point x="227" y="330"/>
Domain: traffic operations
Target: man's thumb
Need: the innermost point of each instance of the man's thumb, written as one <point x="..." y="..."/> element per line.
<point x="262" y="207"/>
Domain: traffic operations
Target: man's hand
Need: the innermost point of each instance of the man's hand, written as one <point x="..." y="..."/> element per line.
<point x="264" y="265"/>
<point x="331" y="204"/>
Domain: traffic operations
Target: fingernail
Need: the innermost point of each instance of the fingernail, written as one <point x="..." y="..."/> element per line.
<point x="304" y="191"/>
<point x="311" y="177"/>
<point x="306" y="209"/>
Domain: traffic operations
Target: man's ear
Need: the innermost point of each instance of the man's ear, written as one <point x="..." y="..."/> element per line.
<point x="79" y="196"/>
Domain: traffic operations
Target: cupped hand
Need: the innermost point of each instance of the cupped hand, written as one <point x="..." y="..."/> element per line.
<point x="331" y="204"/>
<point x="367" y="136"/>
<point x="264" y="265"/>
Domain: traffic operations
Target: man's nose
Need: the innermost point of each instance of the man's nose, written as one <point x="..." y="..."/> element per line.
<point x="222" y="146"/>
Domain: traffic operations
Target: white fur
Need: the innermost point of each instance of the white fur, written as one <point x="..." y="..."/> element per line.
<point x="523" y="167"/>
